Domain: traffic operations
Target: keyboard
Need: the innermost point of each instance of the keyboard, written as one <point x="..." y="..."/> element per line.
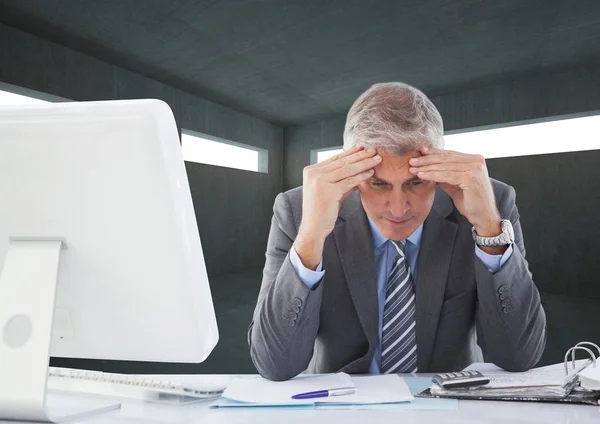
<point x="129" y="386"/>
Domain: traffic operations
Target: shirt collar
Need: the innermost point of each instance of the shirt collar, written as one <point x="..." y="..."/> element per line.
<point x="379" y="239"/>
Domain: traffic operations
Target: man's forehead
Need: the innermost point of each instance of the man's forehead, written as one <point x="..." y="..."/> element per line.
<point x="386" y="154"/>
<point x="394" y="163"/>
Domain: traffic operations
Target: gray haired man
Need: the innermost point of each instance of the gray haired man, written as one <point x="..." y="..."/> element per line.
<point x="396" y="256"/>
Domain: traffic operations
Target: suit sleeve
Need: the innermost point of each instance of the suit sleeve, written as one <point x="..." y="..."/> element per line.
<point x="286" y="318"/>
<point x="511" y="323"/>
<point x="310" y="278"/>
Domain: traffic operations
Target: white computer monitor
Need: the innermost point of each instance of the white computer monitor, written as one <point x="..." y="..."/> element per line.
<point x="100" y="255"/>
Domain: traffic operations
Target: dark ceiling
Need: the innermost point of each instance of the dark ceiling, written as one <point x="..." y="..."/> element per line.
<point x="295" y="61"/>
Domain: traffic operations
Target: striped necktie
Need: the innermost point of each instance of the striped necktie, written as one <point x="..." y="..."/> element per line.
<point x="398" y="336"/>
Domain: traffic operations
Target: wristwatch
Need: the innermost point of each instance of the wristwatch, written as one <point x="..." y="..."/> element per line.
<point x="506" y="237"/>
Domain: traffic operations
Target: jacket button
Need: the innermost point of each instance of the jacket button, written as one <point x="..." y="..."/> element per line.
<point x="291" y="322"/>
<point x="290" y="315"/>
<point x="297" y="302"/>
<point x="507" y="303"/>
<point x="507" y="309"/>
<point x="503" y="296"/>
<point x="502" y="289"/>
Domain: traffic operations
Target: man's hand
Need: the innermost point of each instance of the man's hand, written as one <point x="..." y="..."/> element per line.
<point x="326" y="185"/>
<point x="465" y="178"/>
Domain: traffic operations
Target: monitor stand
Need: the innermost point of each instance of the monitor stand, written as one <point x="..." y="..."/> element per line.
<point x="28" y="283"/>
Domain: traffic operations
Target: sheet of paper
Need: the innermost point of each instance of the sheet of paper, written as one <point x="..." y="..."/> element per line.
<point x="416" y="385"/>
<point x="590" y="378"/>
<point x="551" y="375"/>
<point x="485" y="367"/>
<point x="374" y="389"/>
<point x="259" y="390"/>
<point x="491" y="368"/>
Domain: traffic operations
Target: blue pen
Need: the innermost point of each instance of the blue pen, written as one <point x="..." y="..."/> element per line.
<point x="326" y="393"/>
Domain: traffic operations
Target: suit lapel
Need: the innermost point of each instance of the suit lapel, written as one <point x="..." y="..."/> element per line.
<point x="354" y="244"/>
<point x="433" y="265"/>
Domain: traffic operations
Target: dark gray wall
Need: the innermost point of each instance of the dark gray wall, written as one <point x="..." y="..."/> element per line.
<point x="558" y="195"/>
<point x="233" y="207"/>
<point x="301" y="139"/>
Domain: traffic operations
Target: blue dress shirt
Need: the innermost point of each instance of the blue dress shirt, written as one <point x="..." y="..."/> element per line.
<point x="385" y="256"/>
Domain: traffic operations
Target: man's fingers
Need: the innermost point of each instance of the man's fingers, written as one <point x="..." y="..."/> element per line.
<point x="349" y="170"/>
<point x="349" y="184"/>
<point x="357" y="156"/>
<point x="434" y="150"/>
<point x="443" y="156"/>
<point x="447" y="166"/>
<point x="455" y="178"/>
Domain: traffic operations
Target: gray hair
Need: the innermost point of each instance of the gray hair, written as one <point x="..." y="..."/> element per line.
<point x="395" y="117"/>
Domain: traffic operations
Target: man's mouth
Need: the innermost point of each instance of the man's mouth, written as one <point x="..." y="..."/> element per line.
<point x="398" y="221"/>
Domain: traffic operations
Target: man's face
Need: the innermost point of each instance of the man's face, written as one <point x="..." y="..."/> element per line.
<point x="397" y="201"/>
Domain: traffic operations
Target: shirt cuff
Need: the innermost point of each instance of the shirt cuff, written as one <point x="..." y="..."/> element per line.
<point x="308" y="277"/>
<point x="493" y="263"/>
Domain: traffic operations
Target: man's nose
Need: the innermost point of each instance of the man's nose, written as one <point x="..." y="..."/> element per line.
<point x="398" y="204"/>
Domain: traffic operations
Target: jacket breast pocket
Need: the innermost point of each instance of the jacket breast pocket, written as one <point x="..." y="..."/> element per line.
<point x="464" y="300"/>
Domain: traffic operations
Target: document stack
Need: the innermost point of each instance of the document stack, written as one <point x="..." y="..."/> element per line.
<point x="572" y="381"/>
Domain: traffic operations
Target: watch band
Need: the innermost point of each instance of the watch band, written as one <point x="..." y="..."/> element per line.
<point x="507" y="236"/>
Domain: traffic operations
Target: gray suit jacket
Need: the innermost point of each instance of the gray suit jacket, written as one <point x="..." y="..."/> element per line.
<point x="460" y="304"/>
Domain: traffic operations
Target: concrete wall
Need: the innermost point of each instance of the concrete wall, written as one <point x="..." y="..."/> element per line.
<point x="233" y="207"/>
<point x="301" y="139"/>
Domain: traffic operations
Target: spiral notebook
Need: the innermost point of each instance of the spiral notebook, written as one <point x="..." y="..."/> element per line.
<point x="571" y="381"/>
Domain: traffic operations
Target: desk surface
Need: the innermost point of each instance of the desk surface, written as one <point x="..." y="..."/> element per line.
<point x="468" y="412"/>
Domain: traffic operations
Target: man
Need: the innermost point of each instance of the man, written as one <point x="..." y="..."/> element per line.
<point x="396" y="256"/>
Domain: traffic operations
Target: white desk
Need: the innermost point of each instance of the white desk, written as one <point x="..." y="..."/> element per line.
<point x="469" y="412"/>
